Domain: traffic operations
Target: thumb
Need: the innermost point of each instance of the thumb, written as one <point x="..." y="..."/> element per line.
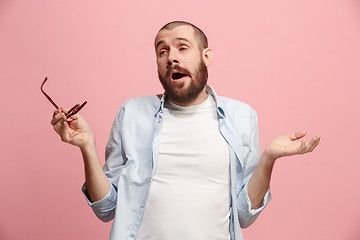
<point x="297" y="135"/>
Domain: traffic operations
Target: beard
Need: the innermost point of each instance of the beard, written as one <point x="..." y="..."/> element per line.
<point x="177" y="91"/>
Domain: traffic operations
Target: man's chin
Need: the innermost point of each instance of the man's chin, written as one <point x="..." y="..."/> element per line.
<point x="180" y="85"/>
<point x="183" y="95"/>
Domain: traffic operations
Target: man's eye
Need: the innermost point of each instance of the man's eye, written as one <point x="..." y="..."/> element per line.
<point x="182" y="48"/>
<point x="162" y="52"/>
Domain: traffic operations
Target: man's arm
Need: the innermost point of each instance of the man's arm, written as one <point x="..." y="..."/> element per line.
<point x="279" y="147"/>
<point x="77" y="132"/>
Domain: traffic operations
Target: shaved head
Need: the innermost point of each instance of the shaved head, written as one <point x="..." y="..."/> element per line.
<point x="201" y="37"/>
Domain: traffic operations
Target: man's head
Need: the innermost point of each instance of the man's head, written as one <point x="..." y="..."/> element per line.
<point x="182" y="57"/>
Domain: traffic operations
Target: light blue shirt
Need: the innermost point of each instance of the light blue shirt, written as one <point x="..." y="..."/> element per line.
<point x="133" y="150"/>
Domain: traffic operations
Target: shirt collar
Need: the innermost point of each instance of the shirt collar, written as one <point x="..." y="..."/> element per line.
<point x="219" y="108"/>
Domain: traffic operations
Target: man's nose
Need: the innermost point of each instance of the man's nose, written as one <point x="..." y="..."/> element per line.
<point x="172" y="59"/>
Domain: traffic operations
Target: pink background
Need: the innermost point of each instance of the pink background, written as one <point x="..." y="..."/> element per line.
<point x="296" y="62"/>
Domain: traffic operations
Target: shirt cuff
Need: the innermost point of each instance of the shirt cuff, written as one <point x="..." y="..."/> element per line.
<point x="105" y="204"/>
<point x="245" y="205"/>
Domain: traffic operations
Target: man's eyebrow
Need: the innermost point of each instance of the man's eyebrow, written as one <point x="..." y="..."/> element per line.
<point x="160" y="42"/>
<point x="176" y="39"/>
<point x="182" y="39"/>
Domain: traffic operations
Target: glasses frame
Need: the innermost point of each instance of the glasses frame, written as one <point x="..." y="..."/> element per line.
<point x="74" y="110"/>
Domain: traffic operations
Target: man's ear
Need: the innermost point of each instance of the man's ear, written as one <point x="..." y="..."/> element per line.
<point x="207" y="55"/>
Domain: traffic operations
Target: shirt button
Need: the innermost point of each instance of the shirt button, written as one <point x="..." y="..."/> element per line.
<point x="133" y="233"/>
<point x="142" y="205"/>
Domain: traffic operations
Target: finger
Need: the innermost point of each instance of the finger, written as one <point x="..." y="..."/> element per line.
<point x="311" y="144"/>
<point x="64" y="110"/>
<point x="57" y="118"/>
<point x="64" y="132"/>
<point x="74" y="117"/>
<point x="302" y="147"/>
<point x="298" y="135"/>
<point x="58" y="121"/>
<point x="72" y="121"/>
<point x="314" y="144"/>
<point x="56" y="112"/>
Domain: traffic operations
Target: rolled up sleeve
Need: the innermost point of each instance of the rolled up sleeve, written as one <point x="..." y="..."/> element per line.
<point x="247" y="215"/>
<point x="104" y="208"/>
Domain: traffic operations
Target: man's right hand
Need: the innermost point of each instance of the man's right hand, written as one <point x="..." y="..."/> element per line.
<point x="73" y="130"/>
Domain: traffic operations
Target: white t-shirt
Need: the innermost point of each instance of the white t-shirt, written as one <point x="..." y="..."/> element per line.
<point x="189" y="196"/>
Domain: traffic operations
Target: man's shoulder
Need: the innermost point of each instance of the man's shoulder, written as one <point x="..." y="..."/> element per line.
<point x="141" y="106"/>
<point x="241" y="116"/>
<point x="230" y="104"/>
<point x="152" y="100"/>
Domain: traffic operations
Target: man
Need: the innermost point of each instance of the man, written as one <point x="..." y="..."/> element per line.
<point x="183" y="165"/>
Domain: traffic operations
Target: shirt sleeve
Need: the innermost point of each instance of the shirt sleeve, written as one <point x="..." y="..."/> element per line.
<point x="103" y="208"/>
<point x="247" y="216"/>
<point x="252" y="156"/>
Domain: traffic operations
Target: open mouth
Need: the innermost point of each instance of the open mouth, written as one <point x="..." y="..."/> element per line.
<point x="177" y="76"/>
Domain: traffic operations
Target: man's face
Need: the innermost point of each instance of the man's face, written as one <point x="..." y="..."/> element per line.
<point x="181" y="68"/>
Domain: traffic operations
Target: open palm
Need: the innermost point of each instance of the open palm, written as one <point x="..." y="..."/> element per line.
<point x="288" y="145"/>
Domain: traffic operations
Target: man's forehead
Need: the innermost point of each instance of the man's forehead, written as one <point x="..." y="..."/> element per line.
<point x="180" y="33"/>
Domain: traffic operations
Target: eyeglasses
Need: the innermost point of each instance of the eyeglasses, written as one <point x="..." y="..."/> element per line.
<point x="74" y="110"/>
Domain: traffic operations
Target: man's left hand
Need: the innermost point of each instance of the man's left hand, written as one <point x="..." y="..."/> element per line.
<point x="289" y="145"/>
